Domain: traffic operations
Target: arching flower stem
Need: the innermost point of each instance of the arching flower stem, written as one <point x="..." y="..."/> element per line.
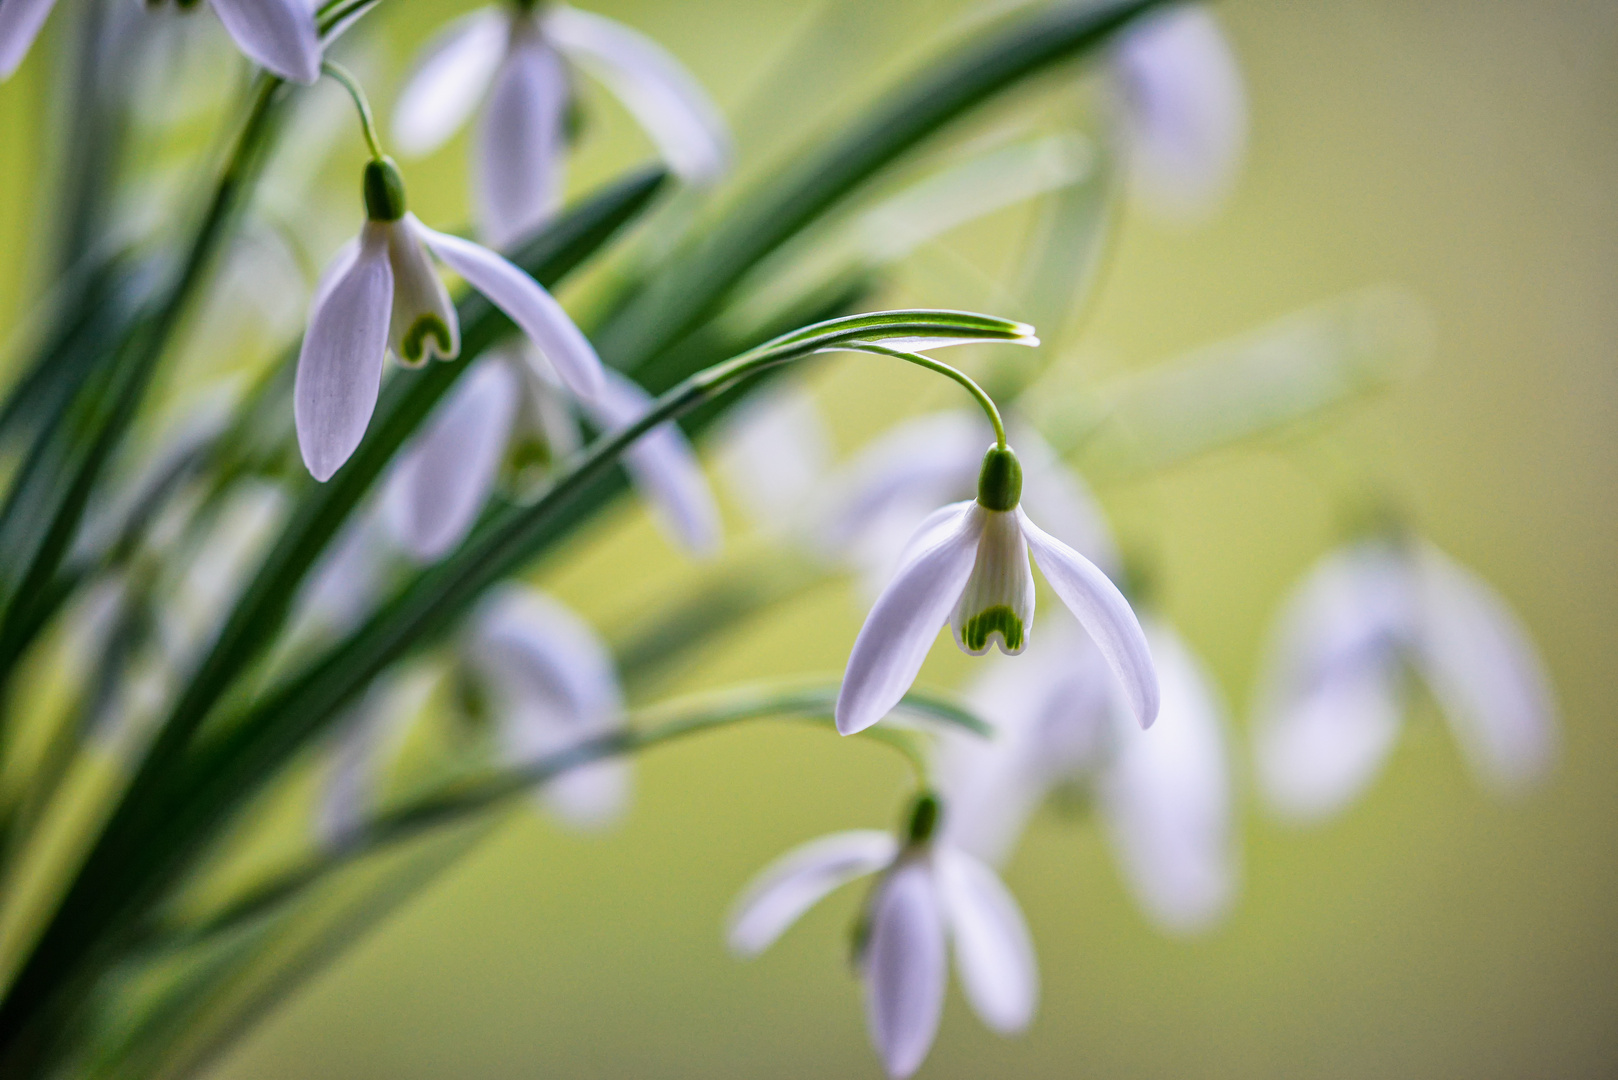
<point x="347" y="81"/>
<point x="981" y="396"/>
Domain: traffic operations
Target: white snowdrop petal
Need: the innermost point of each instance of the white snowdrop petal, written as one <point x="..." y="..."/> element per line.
<point x="662" y="464"/>
<point x="20" y="23"/>
<point x="536" y="651"/>
<point x="589" y="797"/>
<point x="522" y="142"/>
<point x="340" y="364"/>
<point x="794" y="883"/>
<point x="424" y="323"/>
<point x="444" y="476"/>
<point x="904" y="621"/>
<point x="529" y="305"/>
<point x="279" y="35"/>
<point x="1483" y="669"/>
<point x="446" y="84"/>
<point x="1062" y="502"/>
<point x="905" y="968"/>
<point x="1166" y="796"/>
<point x="1105" y="615"/>
<point x="994" y="952"/>
<point x="1185" y="109"/>
<point x="1324" y="748"/>
<point x="670" y="105"/>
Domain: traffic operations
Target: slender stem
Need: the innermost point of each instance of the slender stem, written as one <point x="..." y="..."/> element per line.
<point x="457" y="801"/>
<point x="977" y="392"/>
<point x="367" y="122"/>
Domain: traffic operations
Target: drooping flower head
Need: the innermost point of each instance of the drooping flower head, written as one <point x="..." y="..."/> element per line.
<point x="968" y="564"/>
<point x="1332" y="700"/>
<point x="929" y="897"/>
<point x="381" y="295"/>
<point x="518" y="61"/>
<point x="279" y="35"/>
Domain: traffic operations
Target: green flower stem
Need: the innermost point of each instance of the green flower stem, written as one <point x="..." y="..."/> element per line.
<point x="985" y="402"/>
<point x="362" y="105"/>
<point x="456" y="802"/>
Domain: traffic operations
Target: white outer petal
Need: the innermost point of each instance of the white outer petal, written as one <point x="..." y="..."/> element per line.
<point x="994" y="953"/>
<point x="662" y="464"/>
<point x="554" y="684"/>
<point x="522" y="142"/>
<point x="1062" y="501"/>
<point x="340" y="364"/>
<point x="794" y="883"/>
<point x="447" y="81"/>
<point x="1166" y="796"/>
<point x="1329" y="699"/>
<point x="905" y="619"/>
<point x="1105" y="615"/>
<point x="444" y="476"/>
<point x="20" y="23"/>
<point x="905" y="967"/>
<point x="1484" y="671"/>
<point x="670" y="105"/>
<point x="533" y="309"/>
<point x="1185" y="108"/>
<point x="279" y="35"/>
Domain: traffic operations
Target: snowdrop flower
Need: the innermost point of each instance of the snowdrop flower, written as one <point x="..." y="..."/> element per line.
<point x="774" y="453"/>
<point x="279" y="35"/>
<point x="930" y="896"/>
<point x="968" y="563"/>
<point x="1333" y="696"/>
<point x="1163" y="796"/>
<point x="446" y="474"/>
<point x="516" y="61"/>
<point x="1184" y="111"/>
<point x="552" y="686"/>
<point x="382" y="295"/>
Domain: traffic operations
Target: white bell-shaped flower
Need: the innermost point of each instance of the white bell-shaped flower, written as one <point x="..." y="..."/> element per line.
<point x="968" y="563"/>
<point x="1332" y="699"/>
<point x="517" y="63"/>
<point x="1163" y="796"/>
<point x="383" y="294"/>
<point x="553" y="687"/>
<point x="279" y="35"/>
<point x="930" y="897"/>
<point x="1184" y="111"/>
<point x="445" y="475"/>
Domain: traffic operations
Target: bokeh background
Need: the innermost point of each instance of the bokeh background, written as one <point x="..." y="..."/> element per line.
<point x="1466" y="151"/>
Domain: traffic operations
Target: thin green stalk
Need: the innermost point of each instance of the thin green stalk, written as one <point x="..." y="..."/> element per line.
<point x="985" y="402"/>
<point x="362" y="105"/>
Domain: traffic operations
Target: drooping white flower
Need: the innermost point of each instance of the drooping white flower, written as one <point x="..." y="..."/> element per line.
<point x="968" y="564"/>
<point x="382" y="294"/>
<point x="279" y="35"/>
<point x="774" y="452"/>
<point x="1184" y="111"/>
<point x="1163" y="796"/>
<point x="364" y="741"/>
<point x="552" y="686"/>
<point x="446" y="474"/>
<point x="1333" y="696"/>
<point x="517" y="62"/>
<point x="930" y="897"/>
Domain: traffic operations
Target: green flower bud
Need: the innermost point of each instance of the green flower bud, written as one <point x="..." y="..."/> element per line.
<point x="1000" y="481"/>
<point x="384" y="191"/>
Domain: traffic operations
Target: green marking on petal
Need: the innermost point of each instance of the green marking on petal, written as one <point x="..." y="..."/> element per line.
<point x="982" y="626"/>
<point x="413" y="344"/>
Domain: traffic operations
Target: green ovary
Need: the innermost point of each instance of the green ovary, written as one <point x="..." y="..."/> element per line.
<point x="982" y="626"/>
<point x="413" y="344"/>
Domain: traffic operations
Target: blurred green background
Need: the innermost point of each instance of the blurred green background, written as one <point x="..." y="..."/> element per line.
<point x="1467" y="151"/>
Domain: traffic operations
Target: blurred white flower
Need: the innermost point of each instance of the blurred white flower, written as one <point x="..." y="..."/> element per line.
<point x="1333" y="696"/>
<point x="382" y="293"/>
<point x="279" y="35"/>
<point x="364" y="742"/>
<point x="774" y="453"/>
<point x="930" y="896"/>
<point x="446" y="474"/>
<point x="517" y="62"/>
<point x="552" y="687"/>
<point x="971" y="559"/>
<point x="1184" y="111"/>
<point x="1164" y="795"/>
